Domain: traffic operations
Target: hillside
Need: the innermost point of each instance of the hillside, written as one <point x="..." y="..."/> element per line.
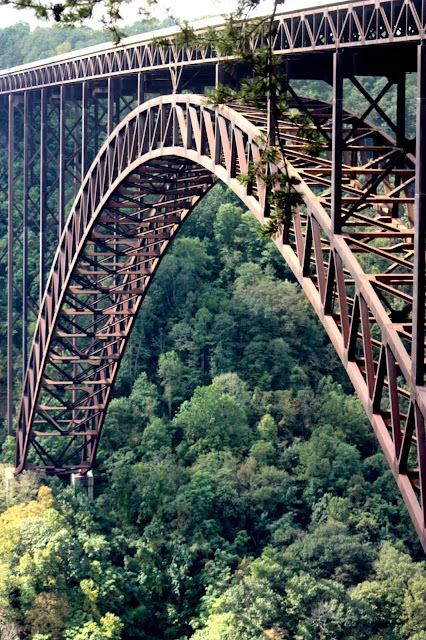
<point x="240" y="493"/>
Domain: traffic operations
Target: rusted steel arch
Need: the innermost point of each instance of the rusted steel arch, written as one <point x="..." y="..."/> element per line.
<point x="148" y="176"/>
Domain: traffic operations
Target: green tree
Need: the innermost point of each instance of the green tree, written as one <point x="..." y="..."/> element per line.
<point x="201" y="335"/>
<point x="157" y="436"/>
<point x="171" y="372"/>
<point x="108" y="628"/>
<point x="144" y="396"/>
<point x="226" y="223"/>
<point x="233" y="386"/>
<point x="246" y="612"/>
<point x="267" y="429"/>
<point x="212" y="421"/>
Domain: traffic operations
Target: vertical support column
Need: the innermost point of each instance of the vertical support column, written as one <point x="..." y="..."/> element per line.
<point x="77" y="149"/>
<point x="219" y="76"/>
<point x="95" y="99"/>
<point x="117" y="118"/>
<point x="10" y="270"/>
<point x="43" y="160"/>
<point x="141" y="88"/>
<point x="418" y="350"/>
<point x="337" y="143"/>
<point x="25" y="291"/>
<point x="271" y="124"/>
<point x="77" y="183"/>
<point x="223" y="77"/>
<point x="61" y="187"/>
<point x="400" y="131"/>
<point x="400" y="111"/>
<point x="84" y="137"/>
<point x="86" y="482"/>
<point x="110" y="105"/>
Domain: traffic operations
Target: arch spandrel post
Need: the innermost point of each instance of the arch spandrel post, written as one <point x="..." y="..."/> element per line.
<point x="146" y="179"/>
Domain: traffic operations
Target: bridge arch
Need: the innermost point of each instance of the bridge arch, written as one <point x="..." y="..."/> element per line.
<point x="146" y="179"/>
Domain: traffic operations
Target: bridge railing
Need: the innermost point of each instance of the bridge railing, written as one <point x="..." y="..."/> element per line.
<point x="349" y="24"/>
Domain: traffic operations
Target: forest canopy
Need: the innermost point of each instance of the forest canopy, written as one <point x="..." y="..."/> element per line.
<point x="239" y="493"/>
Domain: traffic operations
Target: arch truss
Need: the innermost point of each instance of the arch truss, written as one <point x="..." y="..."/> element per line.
<point x="351" y="249"/>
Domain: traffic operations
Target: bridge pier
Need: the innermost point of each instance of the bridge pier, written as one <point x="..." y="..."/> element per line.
<point x="8" y="478"/>
<point x="418" y="353"/>
<point x="337" y="143"/>
<point x="85" y="481"/>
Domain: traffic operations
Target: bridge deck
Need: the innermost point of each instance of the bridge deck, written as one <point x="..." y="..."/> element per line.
<point x="321" y="29"/>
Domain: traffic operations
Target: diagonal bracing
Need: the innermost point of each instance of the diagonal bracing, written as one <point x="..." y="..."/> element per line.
<point x="145" y="180"/>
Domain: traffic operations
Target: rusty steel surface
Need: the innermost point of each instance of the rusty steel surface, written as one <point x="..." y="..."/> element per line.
<point x="357" y="265"/>
<point x="329" y="28"/>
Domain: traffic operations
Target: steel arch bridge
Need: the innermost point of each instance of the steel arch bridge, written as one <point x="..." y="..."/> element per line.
<point x="109" y="131"/>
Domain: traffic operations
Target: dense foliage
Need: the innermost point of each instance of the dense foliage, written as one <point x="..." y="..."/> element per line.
<point x="240" y="493"/>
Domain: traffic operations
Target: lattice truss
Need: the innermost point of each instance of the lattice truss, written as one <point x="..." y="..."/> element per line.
<point x="349" y="23"/>
<point x="145" y="180"/>
<point x="54" y="136"/>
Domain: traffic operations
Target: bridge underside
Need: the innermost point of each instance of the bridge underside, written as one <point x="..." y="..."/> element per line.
<point x="351" y="247"/>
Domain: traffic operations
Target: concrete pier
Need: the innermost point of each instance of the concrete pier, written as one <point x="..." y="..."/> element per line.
<point x="85" y="481"/>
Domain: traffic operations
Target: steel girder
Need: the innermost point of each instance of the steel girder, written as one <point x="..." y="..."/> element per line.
<point x="346" y="25"/>
<point x="50" y="139"/>
<point x="361" y="279"/>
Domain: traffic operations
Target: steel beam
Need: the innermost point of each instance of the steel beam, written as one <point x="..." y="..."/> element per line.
<point x="385" y="25"/>
<point x="337" y="143"/>
<point x="141" y="89"/>
<point x="62" y="158"/>
<point x="365" y="314"/>
<point x="25" y="291"/>
<point x="43" y="166"/>
<point x="10" y="240"/>
<point x="111" y="102"/>
<point x="84" y="131"/>
<point x="401" y="140"/>
<point x="418" y="348"/>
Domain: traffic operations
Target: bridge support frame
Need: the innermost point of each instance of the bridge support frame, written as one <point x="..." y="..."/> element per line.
<point x="326" y="250"/>
<point x="10" y="238"/>
<point x="25" y="291"/>
<point x="337" y="143"/>
<point x="86" y="482"/>
<point x="418" y="348"/>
